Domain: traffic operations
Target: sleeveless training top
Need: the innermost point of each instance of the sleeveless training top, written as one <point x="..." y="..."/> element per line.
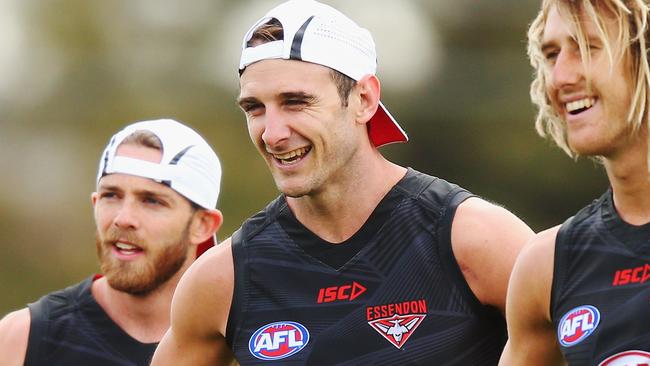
<point x="68" y="327"/>
<point x="392" y="294"/>
<point x="600" y="299"/>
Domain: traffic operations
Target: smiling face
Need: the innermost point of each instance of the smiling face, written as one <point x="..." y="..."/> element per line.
<point x="299" y="125"/>
<point x="142" y="228"/>
<point x="591" y="96"/>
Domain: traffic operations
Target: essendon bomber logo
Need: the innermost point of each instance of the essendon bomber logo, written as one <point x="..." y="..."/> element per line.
<point x="577" y="324"/>
<point x="628" y="358"/>
<point x="632" y="275"/>
<point x="278" y="340"/>
<point x="397" y="322"/>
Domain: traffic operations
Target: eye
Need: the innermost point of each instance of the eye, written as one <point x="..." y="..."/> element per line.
<point x="252" y="108"/>
<point x="150" y="200"/>
<point x="295" y="104"/>
<point x="551" y="56"/>
<point x="107" y="195"/>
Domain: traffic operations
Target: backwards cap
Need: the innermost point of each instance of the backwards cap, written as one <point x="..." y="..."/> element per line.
<point x="318" y="33"/>
<point x="188" y="165"/>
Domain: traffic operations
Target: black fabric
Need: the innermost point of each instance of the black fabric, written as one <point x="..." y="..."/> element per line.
<point x="402" y="259"/>
<point x="68" y="327"/>
<point x="602" y="262"/>
<point x="336" y="255"/>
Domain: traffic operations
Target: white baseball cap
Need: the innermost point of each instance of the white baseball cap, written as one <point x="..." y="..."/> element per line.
<point x="317" y="33"/>
<point x="188" y="165"/>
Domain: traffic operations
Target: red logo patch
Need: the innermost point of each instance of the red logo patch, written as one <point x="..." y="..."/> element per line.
<point x="339" y="293"/>
<point x="628" y="358"/>
<point x="398" y="329"/>
<point x="396" y="322"/>
<point x="631" y="275"/>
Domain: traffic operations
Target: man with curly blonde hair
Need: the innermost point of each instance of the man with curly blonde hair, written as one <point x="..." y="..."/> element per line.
<point x="579" y="293"/>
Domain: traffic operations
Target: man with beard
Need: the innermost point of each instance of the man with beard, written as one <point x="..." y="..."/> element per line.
<point x="154" y="208"/>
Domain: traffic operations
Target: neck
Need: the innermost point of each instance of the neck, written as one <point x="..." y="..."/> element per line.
<point x="628" y="174"/>
<point x="339" y="211"/>
<point x="146" y="317"/>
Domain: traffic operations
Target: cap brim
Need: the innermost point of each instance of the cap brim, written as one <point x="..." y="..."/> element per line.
<point x="383" y="128"/>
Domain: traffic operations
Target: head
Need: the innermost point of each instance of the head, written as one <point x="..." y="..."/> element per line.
<point x="592" y="79"/>
<point x="155" y="204"/>
<point x="302" y="39"/>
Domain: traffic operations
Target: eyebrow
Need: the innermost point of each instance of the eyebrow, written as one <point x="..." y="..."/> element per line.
<point x="298" y="95"/>
<point x="306" y="97"/>
<point x="137" y="192"/>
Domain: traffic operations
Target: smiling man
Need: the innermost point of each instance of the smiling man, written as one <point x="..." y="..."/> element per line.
<point x="359" y="261"/>
<point x="155" y="211"/>
<point x="579" y="292"/>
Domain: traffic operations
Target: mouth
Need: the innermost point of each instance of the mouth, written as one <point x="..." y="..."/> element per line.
<point x="126" y="249"/>
<point x="578" y="106"/>
<point x="293" y="156"/>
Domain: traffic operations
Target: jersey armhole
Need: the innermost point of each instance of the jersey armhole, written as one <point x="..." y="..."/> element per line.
<point x="238" y="283"/>
<point x="39" y="313"/>
<point x="557" y="280"/>
<point x="447" y="257"/>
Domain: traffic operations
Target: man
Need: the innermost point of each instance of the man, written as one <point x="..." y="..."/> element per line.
<point x="579" y="292"/>
<point x="359" y="261"/>
<point x="157" y="190"/>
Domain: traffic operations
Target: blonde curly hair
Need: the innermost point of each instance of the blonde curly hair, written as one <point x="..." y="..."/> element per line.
<point x="632" y="19"/>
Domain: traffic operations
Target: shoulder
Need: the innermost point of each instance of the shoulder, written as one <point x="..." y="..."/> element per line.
<point x="486" y="239"/>
<point x="480" y="226"/>
<point x="206" y="288"/>
<point x="14" y="334"/>
<point x="532" y="337"/>
<point x="532" y="275"/>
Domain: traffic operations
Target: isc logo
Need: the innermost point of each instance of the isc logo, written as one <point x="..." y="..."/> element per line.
<point x="632" y="275"/>
<point x="628" y="358"/>
<point x="577" y="324"/>
<point x="345" y="292"/>
<point x="278" y="340"/>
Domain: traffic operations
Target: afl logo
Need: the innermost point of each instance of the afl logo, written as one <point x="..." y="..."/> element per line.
<point x="577" y="324"/>
<point x="278" y="340"/>
<point x="627" y="358"/>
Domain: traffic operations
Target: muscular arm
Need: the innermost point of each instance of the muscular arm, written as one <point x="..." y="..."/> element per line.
<point x="199" y="313"/>
<point x="532" y="339"/>
<point x="14" y="334"/>
<point x="486" y="240"/>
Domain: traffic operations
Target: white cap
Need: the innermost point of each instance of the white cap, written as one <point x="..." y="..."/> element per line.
<point x="188" y="165"/>
<point x="318" y="33"/>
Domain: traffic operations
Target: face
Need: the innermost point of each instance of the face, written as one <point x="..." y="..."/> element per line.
<point x="142" y="228"/>
<point x="595" y="113"/>
<point x="298" y="124"/>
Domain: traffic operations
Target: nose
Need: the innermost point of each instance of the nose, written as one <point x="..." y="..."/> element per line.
<point x="276" y="129"/>
<point x="567" y="69"/>
<point x="126" y="216"/>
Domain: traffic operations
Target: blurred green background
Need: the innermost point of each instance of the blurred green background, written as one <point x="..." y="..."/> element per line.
<point x="72" y="72"/>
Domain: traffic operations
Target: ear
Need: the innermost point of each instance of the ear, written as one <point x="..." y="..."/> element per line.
<point x="368" y="88"/>
<point x="93" y="198"/>
<point x="205" y="223"/>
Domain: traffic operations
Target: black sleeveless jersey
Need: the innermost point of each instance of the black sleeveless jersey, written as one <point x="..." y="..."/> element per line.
<point x="392" y="294"/>
<point x="68" y="327"/>
<point x="600" y="299"/>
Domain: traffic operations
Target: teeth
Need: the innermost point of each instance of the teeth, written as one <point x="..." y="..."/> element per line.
<point x="580" y="104"/>
<point x="291" y="154"/>
<point x="125" y="246"/>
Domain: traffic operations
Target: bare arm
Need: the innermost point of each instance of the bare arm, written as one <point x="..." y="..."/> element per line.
<point x="486" y="240"/>
<point x="14" y="334"/>
<point x="532" y="335"/>
<point x="199" y="313"/>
